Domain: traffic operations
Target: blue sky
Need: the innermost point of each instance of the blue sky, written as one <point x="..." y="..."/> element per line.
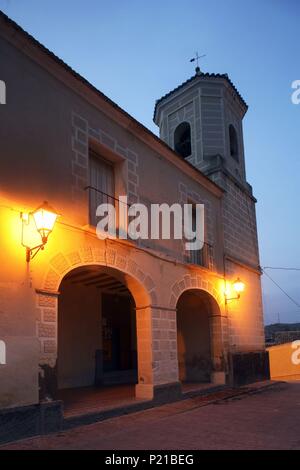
<point x="136" y="51"/>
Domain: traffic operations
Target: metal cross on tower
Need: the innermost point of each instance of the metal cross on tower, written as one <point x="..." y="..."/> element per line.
<point x="197" y="58"/>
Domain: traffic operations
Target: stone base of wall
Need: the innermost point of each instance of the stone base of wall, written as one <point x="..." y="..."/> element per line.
<point x="167" y="393"/>
<point x="218" y="378"/>
<point x="47" y="382"/>
<point x="47" y="417"/>
<point x="249" y="367"/>
<point x="27" y="421"/>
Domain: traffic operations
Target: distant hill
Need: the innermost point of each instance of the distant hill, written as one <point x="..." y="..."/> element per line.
<point x="271" y="330"/>
<point x="281" y="327"/>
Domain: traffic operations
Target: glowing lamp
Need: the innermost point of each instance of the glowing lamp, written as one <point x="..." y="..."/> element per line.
<point x="238" y="286"/>
<point x="44" y="220"/>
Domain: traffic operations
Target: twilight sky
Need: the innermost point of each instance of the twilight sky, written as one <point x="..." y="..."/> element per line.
<point x="137" y="50"/>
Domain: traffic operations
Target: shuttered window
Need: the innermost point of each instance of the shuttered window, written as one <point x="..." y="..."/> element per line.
<point x="102" y="184"/>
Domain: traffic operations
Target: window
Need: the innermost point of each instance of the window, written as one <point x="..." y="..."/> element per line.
<point x="196" y="256"/>
<point x="102" y="184"/>
<point x="182" y="140"/>
<point x="205" y="256"/>
<point x="233" y="142"/>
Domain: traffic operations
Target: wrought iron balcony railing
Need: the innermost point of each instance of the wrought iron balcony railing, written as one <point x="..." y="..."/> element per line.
<point x="97" y="197"/>
<point x="203" y="257"/>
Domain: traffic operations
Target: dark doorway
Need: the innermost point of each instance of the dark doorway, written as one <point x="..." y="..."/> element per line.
<point x="119" y="335"/>
<point x="193" y="337"/>
<point x="97" y="342"/>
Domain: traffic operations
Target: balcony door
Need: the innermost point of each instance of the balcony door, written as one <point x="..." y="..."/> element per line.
<point x="102" y="184"/>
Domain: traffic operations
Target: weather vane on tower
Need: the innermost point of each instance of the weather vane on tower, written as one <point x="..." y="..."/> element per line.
<point x="196" y="59"/>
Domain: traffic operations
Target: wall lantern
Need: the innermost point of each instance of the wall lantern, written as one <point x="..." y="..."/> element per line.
<point x="238" y="287"/>
<point x="44" y="218"/>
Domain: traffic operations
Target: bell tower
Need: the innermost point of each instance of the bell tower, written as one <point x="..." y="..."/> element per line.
<point x="201" y="120"/>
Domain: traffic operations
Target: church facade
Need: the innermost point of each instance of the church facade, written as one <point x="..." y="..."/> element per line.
<point x="86" y="312"/>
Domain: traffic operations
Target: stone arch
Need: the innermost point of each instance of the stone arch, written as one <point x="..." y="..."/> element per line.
<point x="141" y="286"/>
<point x="195" y="282"/>
<point x="218" y="320"/>
<point x="61" y="264"/>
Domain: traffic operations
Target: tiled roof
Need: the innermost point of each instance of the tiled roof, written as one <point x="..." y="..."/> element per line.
<point x="201" y="75"/>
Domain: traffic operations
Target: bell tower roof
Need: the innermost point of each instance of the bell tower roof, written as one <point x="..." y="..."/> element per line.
<point x="200" y="76"/>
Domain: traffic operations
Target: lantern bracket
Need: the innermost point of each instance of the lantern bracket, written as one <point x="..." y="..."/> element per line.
<point x="32" y="252"/>
<point x="239" y="287"/>
<point x="232" y="298"/>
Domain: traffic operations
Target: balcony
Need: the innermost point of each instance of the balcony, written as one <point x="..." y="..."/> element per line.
<point x="203" y="257"/>
<point x="97" y="197"/>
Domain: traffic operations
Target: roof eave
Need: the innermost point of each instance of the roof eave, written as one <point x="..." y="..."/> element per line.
<point x="180" y="87"/>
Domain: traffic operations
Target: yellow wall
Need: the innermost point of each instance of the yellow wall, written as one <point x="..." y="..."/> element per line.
<point x="285" y="361"/>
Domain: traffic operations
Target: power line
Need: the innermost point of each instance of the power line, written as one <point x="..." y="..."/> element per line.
<point x="281" y="268"/>
<point x="282" y="290"/>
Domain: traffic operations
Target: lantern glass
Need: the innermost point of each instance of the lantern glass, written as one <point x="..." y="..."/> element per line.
<point x="238" y="286"/>
<point x="44" y="218"/>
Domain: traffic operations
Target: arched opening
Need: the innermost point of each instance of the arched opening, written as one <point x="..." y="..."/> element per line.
<point x="233" y="142"/>
<point x="182" y="140"/>
<point x="195" y="336"/>
<point x="97" y="357"/>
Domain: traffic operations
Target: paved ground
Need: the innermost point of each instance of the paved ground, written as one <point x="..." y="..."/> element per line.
<point x="89" y="399"/>
<point x="268" y="419"/>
